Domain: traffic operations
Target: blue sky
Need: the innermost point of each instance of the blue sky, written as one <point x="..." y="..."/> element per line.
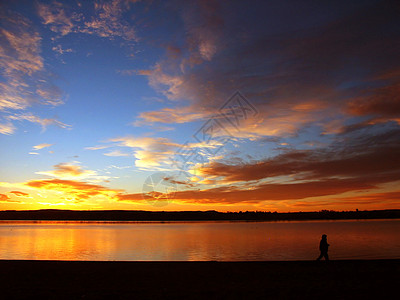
<point x="96" y="96"/>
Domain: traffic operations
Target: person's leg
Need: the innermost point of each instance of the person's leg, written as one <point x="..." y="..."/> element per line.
<point x="326" y="256"/>
<point x="320" y="256"/>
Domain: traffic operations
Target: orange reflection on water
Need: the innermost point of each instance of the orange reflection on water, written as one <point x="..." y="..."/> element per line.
<point x="54" y="241"/>
<point x="224" y="241"/>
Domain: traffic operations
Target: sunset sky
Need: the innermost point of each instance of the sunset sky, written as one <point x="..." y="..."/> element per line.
<point x="200" y="105"/>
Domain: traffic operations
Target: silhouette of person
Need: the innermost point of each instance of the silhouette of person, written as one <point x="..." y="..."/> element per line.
<point x="323" y="247"/>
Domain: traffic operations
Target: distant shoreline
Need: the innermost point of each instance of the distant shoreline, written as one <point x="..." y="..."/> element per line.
<point x="351" y="279"/>
<point x="134" y="215"/>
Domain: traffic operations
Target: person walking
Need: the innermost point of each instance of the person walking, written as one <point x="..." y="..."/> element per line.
<point x="323" y="247"/>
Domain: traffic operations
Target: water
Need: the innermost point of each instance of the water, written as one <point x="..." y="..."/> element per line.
<point x="205" y="241"/>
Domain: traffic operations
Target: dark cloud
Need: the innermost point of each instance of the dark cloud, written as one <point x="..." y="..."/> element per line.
<point x="382" y="103"/>
<point x="266" y="192"/>
<point x="178" y="182"/>
<point x="299" y="64"/>
<point x="353" y="156"/>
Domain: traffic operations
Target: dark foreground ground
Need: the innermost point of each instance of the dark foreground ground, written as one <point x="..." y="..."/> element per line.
<point x="363" y="279"/>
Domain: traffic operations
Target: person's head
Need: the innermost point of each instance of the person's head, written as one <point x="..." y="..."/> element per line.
<point x="324" y="236"/>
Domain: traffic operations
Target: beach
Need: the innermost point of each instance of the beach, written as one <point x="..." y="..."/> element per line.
<point x="345" y="279"/>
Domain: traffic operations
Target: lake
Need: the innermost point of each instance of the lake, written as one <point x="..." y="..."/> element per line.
<point x="198" y="241"/>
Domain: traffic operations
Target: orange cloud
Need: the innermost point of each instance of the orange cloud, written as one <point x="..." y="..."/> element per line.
<point x="6" y="198"/>
<point x="143" y="72"/>
<point x="268" y="192"/>
<point x="19" y="194"/>
<point x="135" y="197"/>
<point x="381" y="200"/>
<point x="64" y="168"/>
<point x="68" y="170"/>
<point x="80" y="191"/>
<point x="171" y="116"/>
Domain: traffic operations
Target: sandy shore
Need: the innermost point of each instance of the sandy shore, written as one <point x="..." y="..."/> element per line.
<point x="363" y="279"/>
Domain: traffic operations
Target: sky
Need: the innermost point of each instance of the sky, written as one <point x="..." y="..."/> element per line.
<point x="200" y="105"/>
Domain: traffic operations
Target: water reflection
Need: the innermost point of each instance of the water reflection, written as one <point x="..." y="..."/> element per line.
<point x="222" y="241"/>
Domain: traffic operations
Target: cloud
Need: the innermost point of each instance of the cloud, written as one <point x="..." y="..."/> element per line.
<point x="163" y="128"/>
<point x="7" y="128"/>
<point x="61" y="51"/>
<point x="41" y="146"/>
<point x="20" y="47"/>
<point x="264" y="193"/>
<point x="271" y="191"/>
<point x="129" y="72"/>
<point x="116" y="153"/>
<point x="157" y="153"/>
<point x="204" y="23"/>
<point x="19" y="58"/>
<point x="355" y="156"/>
<point x="370" y="198"/>
<point x="296" y="74"/>
<point x="61" y="190"/>
<point x="73" y="171"/>
<point x="353" y="162"/>
<point x="144" y="72"/>
<point x="170" y="116"/>
<point x="68" y="169"/>
<point x="136" y="197"/>
<point x="98" y="147"/>
<point x="79" y="191"/>
<point x="176" y="181"/>
<point x="382" y="104"/>
<point x="44" y="122"/>
<point x="149" y="152"/>
<point x="268" y="192"/>
<point x="55" y="16"/>
<point x="25" y="79"/>
<point x="6" y="198"/>
<point x="107" y="20"/>
<point x="19" y="194"/>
